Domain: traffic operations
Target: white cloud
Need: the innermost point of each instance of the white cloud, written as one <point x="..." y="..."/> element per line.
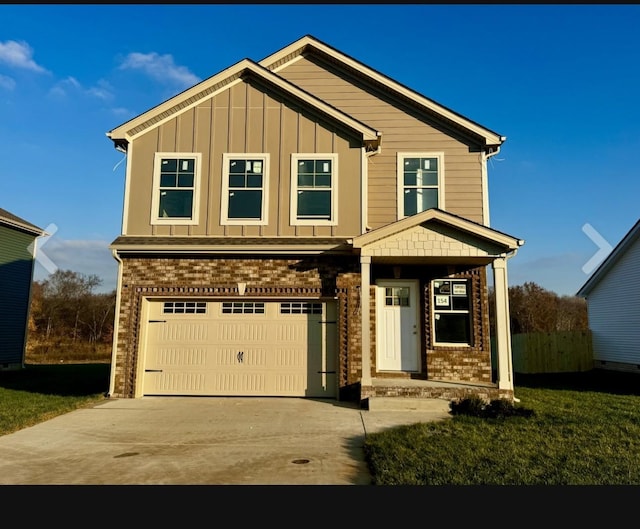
<point x="102" y="90"/>
<point x="7" y="83"/>
<point x="19" y="54"/>
<point x="88" y="257"/>
<point x="160" y="67"/>
<point x="121" y="111"/>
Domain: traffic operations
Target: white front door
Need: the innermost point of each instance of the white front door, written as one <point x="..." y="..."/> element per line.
<point x="397" y="338"/>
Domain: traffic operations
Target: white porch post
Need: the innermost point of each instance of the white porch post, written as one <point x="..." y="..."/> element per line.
<point x="365" y="303"/>
<point x="503" y="331"/>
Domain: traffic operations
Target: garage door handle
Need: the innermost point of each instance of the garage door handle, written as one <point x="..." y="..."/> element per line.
<point x="328" y="372"/>
<point x="157" y="321"/>
<point x="328" y="321"/>
<point x="153" y="370"/>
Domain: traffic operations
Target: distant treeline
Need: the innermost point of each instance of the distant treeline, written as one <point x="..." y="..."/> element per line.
<point x="69" y="319"/>
<point x="533" y="309"/>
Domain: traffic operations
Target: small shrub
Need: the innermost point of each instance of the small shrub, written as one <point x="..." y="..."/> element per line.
<point x="472" y="405"/>
<point x="496" y="409"/>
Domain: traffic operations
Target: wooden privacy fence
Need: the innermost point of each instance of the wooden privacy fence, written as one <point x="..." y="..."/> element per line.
<point x="551" y="352"/>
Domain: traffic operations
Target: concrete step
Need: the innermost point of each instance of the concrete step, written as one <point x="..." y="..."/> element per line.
<point x="408" y="404"/>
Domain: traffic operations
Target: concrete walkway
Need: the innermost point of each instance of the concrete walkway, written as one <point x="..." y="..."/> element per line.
<point x="203" y="440"/>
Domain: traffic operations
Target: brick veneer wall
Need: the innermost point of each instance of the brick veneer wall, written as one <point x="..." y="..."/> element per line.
<point x="331" y="277"/>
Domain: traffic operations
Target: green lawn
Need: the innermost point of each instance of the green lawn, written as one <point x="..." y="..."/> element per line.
<point x="585" y="430"/>
<point x="40" y="392"/>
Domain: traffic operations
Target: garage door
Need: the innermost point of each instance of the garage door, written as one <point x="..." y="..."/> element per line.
<point x="240" y="348"/>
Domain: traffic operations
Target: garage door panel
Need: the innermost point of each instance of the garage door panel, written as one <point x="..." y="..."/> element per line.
<point x="287" y="385"/>
<point x="242" y="332"/>
<point x="237" y="383"/>
<point x="183" y="331"/>
<point x="287" y="357"/>
<point x="179" y="382"/>
<point x="180" y="357"/>
<point x="240" y="348"/>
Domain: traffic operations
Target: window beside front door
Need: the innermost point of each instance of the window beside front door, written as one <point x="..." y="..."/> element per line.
<point x="451" y="311"/>
<point x="314" y="189"/>
<point x="420" y="182"/>
<point x="244" y="189"/>
<point x="175" y="188"/>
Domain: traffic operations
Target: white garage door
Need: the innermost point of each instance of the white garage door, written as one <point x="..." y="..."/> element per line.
<point x="240" y="348"/>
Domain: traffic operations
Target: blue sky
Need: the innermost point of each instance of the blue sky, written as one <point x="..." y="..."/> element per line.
<point x="561" y="82"/>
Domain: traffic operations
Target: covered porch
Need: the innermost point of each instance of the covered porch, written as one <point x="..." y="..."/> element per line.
<point x="440" y="240"/>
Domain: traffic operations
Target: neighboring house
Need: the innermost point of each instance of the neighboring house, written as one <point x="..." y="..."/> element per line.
<point x="306" y="226"/>
<point x="613" y="293"/>
<point x="17" y="254"/>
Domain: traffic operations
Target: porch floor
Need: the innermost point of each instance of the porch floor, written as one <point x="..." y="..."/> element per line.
<point x="411" y="388"/>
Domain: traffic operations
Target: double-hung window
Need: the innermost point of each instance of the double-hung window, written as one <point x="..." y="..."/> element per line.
<point x="175" y="188"/>
<point x="420" y="182"/>
<point x="314" y="189"/>
<point x="451" y="311"/>
<point x="244" y="189"/>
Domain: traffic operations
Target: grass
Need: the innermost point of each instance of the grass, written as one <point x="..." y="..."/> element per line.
<point x="40" y="392"/>
<point x="69" y="352"/>
<point x="584" y="430"/>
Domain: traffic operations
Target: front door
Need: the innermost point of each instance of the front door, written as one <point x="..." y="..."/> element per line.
<point x="397" y="338"/>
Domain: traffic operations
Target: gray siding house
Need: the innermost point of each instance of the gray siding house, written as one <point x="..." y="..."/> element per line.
<point x="17" y="257"/>
<point x="612" y="293"/>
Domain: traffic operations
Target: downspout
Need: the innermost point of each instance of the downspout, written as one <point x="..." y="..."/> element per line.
<point x="364" y="199"/>
<point x="485" y="180"/>
<point x="116" y="319"/>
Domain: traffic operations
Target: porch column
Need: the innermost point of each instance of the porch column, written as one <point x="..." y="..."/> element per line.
<point x="365" y="303"/>
<point x="503" y="331"/>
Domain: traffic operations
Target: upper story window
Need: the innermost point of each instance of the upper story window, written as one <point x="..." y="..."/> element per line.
<point x="244" y="189"/>
<point x="420" y="182"/>
<point x="314" y="189"/>
<point x="175" y="188"/>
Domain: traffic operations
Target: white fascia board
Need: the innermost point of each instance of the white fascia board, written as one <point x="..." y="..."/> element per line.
<point x="234" y="75"/>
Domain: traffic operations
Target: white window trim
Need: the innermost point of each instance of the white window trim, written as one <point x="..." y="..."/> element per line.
<point x="155" y="195"/>
<point x="224" y="203"/>
<point x="451" y="311"/>
<point x="293" y="218"/>
<point x="400" y="177"/>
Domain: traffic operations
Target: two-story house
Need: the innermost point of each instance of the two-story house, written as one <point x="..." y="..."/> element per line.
<point x="306" y="226"/>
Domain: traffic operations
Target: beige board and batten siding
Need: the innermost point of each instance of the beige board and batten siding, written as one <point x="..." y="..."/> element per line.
<point x="245" y="118"/>
<point x="402" y="131"/>
<point x="614" y="311"/>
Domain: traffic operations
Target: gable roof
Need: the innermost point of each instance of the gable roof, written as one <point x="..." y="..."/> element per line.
<point x="13" y="221"/>
<point x="613" y="257"/>
<point x="310" y="45"/>
<point x="124" y="133"/>
<point x="507" y="242"/>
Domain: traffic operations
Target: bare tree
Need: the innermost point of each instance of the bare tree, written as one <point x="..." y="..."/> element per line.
<point x="535" y="309"/>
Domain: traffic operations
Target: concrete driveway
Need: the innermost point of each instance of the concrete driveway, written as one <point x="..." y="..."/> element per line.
<point x="202" y="440"/>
